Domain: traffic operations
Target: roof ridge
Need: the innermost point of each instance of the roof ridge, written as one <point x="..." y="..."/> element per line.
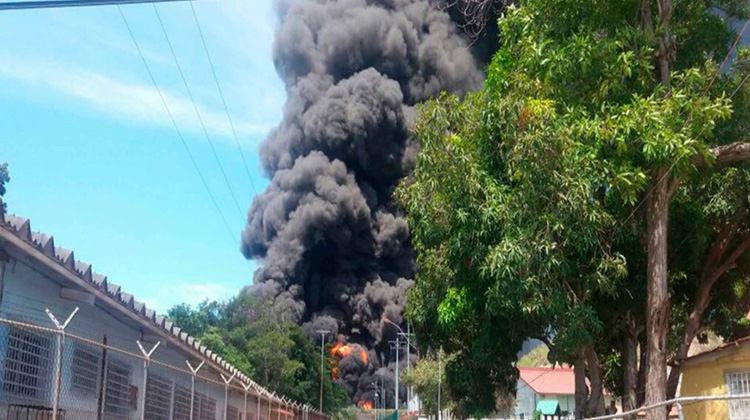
<point x="545" y="368"/>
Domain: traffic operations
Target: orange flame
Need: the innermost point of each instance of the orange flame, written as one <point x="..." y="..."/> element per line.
<point x="365" y="405"/>
<point x="341" y="350"/>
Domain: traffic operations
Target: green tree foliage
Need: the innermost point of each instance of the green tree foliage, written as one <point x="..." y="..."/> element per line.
<point x="533" y="208"/>
<point x="424" y="377"/>
<point x="276" y="354"/>
<point x="4" y="179"/>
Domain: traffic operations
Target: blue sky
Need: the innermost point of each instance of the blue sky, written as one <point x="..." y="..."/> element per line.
<point x="95" y="161"/>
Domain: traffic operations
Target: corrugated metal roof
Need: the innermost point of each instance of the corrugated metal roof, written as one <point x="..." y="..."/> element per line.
<point x="21" y="228"/>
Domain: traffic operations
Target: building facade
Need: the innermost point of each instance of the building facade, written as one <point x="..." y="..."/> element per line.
<point x="548" y="390"/>
<point x="723" y="371"/>
<point x="98" y="369"/>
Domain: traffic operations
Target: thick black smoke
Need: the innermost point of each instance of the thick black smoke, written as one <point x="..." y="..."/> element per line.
<point x="335" y="248"/>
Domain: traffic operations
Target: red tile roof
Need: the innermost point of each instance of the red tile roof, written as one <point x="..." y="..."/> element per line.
<point x="543" y="380"/>
<point x="550" y="380"/>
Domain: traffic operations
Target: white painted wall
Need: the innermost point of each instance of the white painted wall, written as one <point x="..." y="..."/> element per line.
<point x="526" y="400"/>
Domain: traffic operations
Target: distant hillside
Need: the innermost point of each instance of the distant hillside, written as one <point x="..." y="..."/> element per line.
<point x="537" y="357"/>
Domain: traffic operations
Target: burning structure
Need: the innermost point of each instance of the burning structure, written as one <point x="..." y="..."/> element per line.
<point x="334" y="246"/>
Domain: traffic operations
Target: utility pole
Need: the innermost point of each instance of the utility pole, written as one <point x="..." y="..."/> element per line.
<point x="398" y="350"/>
<point x="408" y="365"/>
<point x="375" y="398"/>
<point x="322" y="365"/>
<point x="440" y="380"/>
<point x="406" y="335"/>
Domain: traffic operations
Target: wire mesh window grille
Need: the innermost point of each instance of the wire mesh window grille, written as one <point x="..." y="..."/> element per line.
<point x="27" y="364"/>
<point x="158" y="397"/>
<point x="181" y="404"/>
<point x="85" y="369"/>
<point x="208" y="408"/>
<point x="738" y="383"/>
<point x="233" y="413"/>
<point x="121" y="397"/>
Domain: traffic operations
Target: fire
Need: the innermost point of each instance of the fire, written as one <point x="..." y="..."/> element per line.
<point x="341" y="350"/>
<point x="365" y="405"/>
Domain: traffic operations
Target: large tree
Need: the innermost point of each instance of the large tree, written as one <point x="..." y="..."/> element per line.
<point x="541" y="206"/>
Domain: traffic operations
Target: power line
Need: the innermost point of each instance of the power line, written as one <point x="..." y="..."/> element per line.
<point x="48" y="4"/>
<point x="174" y="123"/>
<point x="221" y="94"/>
<point x="197" y="112"/>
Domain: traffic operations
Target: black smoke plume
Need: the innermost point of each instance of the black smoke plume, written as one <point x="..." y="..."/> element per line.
<point x="334" y="246"/>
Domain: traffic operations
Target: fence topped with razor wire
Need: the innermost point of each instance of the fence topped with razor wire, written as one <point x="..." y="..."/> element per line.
<point x="49" y="373"/>
<point x="116" y="358"/>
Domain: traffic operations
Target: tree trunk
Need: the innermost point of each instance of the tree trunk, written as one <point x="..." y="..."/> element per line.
<point x="630" y="375"/>
<point x="640" y="390"/>
<point x="657" y="315"/>
<point x="581" y="389"/>
<point x="595" y="404"/>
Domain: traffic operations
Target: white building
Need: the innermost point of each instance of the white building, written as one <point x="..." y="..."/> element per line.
<point x="549" y="390"/>
<point x="101" y="373"/>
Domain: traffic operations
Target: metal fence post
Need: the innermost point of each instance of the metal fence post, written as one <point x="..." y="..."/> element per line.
<point x="270" y="403"/>
<point x="59" y="359"/>
<point x="193" y="371"/>
<point x="146" y="362"/>
<point x="247" y="388"/>
<point x="226" y="391"/>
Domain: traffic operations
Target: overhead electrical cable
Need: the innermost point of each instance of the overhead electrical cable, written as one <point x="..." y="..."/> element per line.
<point x="223" y="100"/>
<point x="174" y="124"/>
<point x="197" y="112"/>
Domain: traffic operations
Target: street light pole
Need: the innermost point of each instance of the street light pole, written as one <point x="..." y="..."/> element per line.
<point x="322" y="365"/>
<point x="407" y="335"/>
<point x="408" y="365"/>
<point x="440" y="381"/>
<point x="398" y="350"/>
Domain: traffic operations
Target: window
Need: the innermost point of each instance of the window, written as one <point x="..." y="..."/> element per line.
<point x="738" y="383"/>
<point x="232" y="413"/>
<point x="158" y="397"/>
<point x="86" y="362"/>
<point x="181" y="403"/>
<point x="27" y="364"/>
<point x="208" y="408"/>
<point x="121" y="398"/>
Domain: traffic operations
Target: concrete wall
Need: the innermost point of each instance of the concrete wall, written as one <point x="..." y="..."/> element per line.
<point x="710" y="379"/>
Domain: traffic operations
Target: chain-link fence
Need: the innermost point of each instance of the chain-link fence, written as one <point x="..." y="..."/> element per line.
<point x="49" y="374"/>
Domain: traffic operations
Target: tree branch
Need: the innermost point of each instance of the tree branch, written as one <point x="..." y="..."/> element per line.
<point x="727" y="154"/>
<point x="731" y="262"/>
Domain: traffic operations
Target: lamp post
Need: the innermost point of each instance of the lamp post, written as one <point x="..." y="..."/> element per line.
<point x="398" y="350"/>
<point x="406" y="335"/>
<point x="375" y="398"/>
<point x="440" y="381"/>
<point x="322" y="366"/>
